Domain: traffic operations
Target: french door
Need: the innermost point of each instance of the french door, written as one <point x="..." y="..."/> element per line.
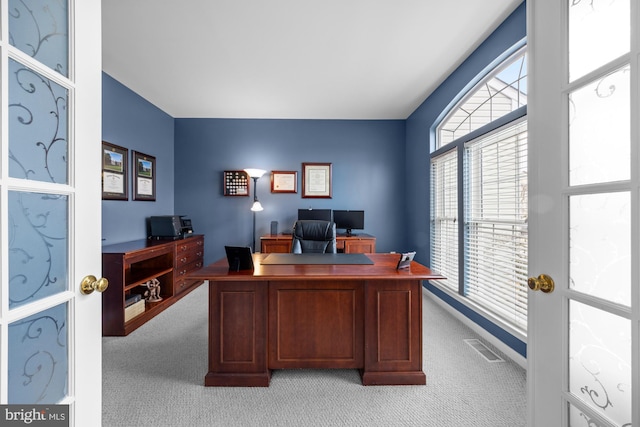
<point x="584" y="215"/>
<point x="50" y="332"/>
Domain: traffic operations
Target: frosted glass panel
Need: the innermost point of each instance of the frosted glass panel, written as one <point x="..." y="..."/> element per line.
<point x="600" y="362"/>
<point x="39" y="358"/>
<point x="39" y="28"/>
<point x="38" y="242"/>
<point x="598" y="33"/>
<point x="37" y="126"/>
<point x="600" y="245"/>
<point x="599" y="136"/>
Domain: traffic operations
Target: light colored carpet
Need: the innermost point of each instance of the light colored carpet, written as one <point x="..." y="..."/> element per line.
<point x="154" y="377"/>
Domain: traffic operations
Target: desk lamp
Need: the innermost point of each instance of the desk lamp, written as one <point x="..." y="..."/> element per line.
<point x="256" y="207"/>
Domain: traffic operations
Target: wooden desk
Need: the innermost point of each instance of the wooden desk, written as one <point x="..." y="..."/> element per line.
<point x="366" y="317"/>
<point x="356" y="243"/>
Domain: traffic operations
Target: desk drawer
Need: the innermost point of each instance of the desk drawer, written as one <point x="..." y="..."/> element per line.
<point x="281" y="246"/>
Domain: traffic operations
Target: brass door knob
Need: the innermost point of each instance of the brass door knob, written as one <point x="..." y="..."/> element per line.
<point x="542" y="283"/>
<point x="90" y="284"/>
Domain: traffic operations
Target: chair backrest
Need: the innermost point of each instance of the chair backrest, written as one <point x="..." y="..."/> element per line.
<point x="314" y="236"/>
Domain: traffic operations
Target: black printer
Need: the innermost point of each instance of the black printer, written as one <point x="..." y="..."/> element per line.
<point x="169" y="227"/>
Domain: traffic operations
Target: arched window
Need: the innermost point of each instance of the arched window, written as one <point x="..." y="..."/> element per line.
<point x="479" y="196"/>
<point x="502" y="91"/>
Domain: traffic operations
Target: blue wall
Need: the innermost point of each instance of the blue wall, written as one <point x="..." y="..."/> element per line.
<point x="367" y="160"/>
<point x="420" y="137"/>
<point x="130" y="121"/>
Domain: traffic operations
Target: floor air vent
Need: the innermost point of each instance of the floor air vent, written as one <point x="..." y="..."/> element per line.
<point x="478" y="346"/>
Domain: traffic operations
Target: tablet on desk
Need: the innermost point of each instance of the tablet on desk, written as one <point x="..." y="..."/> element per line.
<point x="239" y="258"/>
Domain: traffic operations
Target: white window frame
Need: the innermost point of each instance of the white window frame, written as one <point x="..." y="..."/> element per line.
<point x="457" y="148"/>
<point x="496" y="231"/>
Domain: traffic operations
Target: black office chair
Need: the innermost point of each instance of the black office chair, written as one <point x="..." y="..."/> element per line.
<point x="313" y="236"/>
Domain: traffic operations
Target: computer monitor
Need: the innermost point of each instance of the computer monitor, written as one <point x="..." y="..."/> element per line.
<point x="318" y="214"/>
<point x="349" y="220"/>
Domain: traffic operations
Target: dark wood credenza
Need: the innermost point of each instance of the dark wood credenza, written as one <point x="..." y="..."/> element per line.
<point x="366" y="317"/>
<point x="129" y="265"/>
<point x="354" y="244"/>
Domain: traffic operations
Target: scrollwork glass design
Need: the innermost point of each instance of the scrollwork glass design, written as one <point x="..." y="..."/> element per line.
<point x="38" y="363"/>
<point x="37" y="126"/>
<point x="599" y="136"/>
<point x="39" y="29"/>
<point x="600" y="363"/>
<point x="600" y="245"/>
<point x="38" y="246"/>
<point x="589" y="49"/>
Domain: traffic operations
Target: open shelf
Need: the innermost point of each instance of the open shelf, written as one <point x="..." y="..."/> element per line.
<point x="145" y="276"/>
<point x="129" y="266"/>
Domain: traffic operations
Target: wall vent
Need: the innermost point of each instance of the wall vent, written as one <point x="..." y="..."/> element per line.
<point x="478" y="346"/>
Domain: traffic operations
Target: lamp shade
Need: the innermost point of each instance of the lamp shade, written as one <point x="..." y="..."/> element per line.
<point x="255" y="173"/>
<point x="256" y="207"/>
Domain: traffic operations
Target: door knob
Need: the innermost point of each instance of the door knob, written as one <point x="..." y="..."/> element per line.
<point x="542" y="283"/>
<point x="90" y="284"/>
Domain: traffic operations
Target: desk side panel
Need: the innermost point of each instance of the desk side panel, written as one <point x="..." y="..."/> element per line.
<point x="237" y="334"/>
<point x="393" y="315"/>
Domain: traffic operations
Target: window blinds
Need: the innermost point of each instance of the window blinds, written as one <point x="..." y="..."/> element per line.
<point x="495" y="196"/>
<point x="444" y="217"/>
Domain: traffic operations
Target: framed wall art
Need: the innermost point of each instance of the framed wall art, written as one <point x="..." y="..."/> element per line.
<point x="114" y="172"/>
<point x="236" y="183"/>
<point x="316" y="180"/>
<point x="144" y="177"/>
<point x="284" y="181"/>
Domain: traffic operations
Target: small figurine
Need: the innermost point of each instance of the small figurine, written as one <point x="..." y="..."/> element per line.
<point x="153" y="292"/>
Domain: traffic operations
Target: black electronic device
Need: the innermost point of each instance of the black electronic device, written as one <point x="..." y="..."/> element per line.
<point x="349" y="220"/>
<point x="239" y="258"/>
<point x="317" y="214"/>
<point x="169" y="227"/>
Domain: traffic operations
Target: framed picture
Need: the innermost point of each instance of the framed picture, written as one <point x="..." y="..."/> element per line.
<point x="144" y="177"/>
<point x="316" y="180"/>
<point x="114" y="172"/>
<point x="284" y="181"/>
<point x="236" y="183"/>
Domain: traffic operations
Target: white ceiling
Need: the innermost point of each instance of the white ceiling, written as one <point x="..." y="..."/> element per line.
<point x="331" y="59"/>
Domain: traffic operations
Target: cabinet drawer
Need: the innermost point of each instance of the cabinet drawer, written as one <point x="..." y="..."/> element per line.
<point x="187" y="258"/>
<point x="188" y="268"/>
<point x="189" y="245"/>
<point x="181" y="281"/>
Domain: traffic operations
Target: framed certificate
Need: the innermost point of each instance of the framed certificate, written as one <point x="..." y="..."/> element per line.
<point x="114" y="172"/>
<point x="316" y="180"/>
<point x="284" y="182"/>
<point x="144" y="177"/>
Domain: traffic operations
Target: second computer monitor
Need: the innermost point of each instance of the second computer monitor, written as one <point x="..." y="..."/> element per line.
<point x="349" y="220"/>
